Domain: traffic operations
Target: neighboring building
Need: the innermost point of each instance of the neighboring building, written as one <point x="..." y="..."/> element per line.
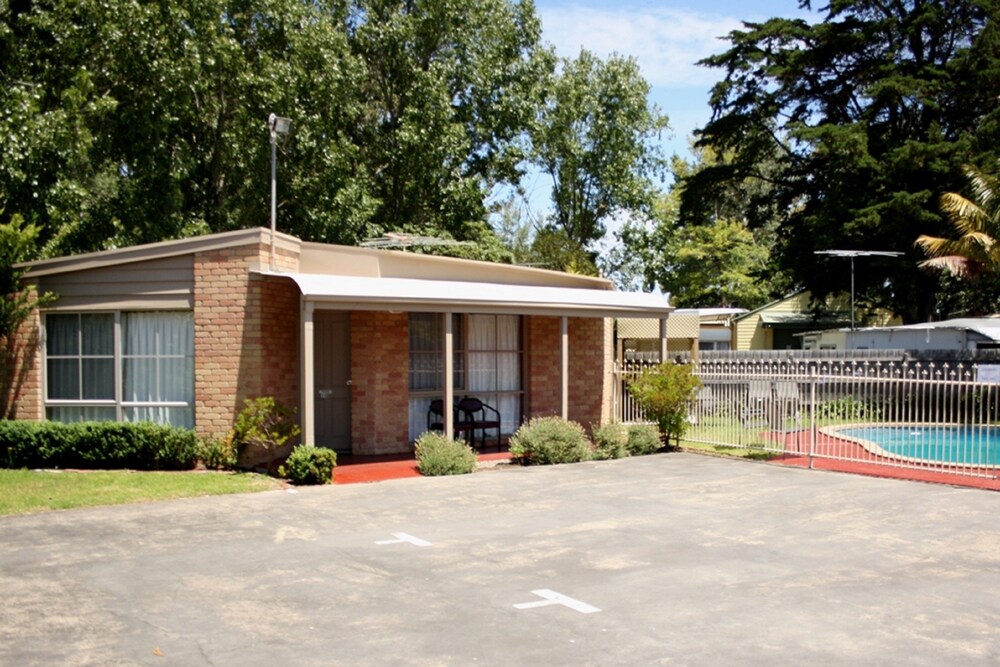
<point x="688" y="331"/>
<point x="181" y="332"/>
<point x="963" y="334"/>
<point x="779" y="324"/>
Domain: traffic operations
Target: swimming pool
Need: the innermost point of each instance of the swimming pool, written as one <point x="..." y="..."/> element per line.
<point x="959" y="445"/>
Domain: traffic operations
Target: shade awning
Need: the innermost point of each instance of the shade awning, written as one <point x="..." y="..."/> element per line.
<point x="411" y="294"/>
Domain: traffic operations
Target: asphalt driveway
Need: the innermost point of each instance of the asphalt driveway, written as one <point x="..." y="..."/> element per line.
<point x="670" y="559"/>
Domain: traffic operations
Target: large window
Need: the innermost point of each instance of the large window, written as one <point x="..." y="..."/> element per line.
<point x="487" y="361"/>
<point x="131" y="366"/>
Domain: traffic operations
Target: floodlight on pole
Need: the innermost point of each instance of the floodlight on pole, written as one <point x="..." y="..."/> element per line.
<point x="852" y="254"/>
<point x="275" y="125"/>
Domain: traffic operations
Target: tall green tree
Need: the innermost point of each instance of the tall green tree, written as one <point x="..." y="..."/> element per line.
<point x="595" y="137"/>
<point x="857" y="123"/>
<point x="140" y="121"/>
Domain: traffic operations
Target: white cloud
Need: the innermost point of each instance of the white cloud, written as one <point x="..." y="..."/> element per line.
<point x="666" y="42"/>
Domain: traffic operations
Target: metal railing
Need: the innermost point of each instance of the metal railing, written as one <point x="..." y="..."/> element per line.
<point x="888" y="410"/>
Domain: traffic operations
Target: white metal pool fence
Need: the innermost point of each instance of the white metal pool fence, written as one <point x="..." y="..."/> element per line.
<point x="828" y="408"/>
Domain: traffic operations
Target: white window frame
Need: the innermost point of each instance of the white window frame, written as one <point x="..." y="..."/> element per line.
<point x="118" y="403"/>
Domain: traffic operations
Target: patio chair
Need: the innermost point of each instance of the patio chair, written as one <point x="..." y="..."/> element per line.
<point x="461" y="427"/>
<point x="788" y="402"/>
<point x="477" y="416"/>
<point x="757" y="403"/>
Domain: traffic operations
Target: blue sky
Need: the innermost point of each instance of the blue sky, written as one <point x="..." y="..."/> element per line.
<point x="666" y="38"/>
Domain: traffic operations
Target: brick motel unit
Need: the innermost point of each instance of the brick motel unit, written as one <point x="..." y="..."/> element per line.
<point x="358" y="340"/>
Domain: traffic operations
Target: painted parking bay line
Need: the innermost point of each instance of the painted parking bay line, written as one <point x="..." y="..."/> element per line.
<point x="550" y="597"/>
<point x="402" y="538"/>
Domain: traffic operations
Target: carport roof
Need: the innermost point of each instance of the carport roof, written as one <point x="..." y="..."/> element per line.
<point x="412" y="294"/>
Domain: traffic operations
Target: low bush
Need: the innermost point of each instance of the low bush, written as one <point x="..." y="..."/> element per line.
<point x="610" y="441"/>
<point x="308" y="464"/>
<point x="264" y="425"/>
<point x="643" y="439"/>
<point x="89" y="445"/>
<point x="545" y="440"/>
<point x="217" y="453"/>
<point x="437" y="454"/>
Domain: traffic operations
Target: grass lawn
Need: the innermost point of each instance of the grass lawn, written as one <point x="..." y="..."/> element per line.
<point x="24" y="491"/>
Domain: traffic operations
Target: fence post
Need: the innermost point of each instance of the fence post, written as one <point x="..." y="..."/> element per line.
<point x="812" y="416"/>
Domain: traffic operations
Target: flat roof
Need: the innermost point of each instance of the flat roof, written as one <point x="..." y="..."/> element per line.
<point x="421" y="295"/>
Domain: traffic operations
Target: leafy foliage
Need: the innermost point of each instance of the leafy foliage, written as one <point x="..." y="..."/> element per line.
<point x="437" y="454"/>
<point x="643" y="439"/>
<point x="266" y="425"/>
<point x="665" y="393"/>
<point x="975" y="252"/>
<point x="217" y="453"/>
<point x="594" y="137"/>
<point x="857" y="123"/>
<point x="18" y="243"/>
<point x="610" y="441"/>
<point x="547" y="440"/>
<point x="135" y="122"/>
<point x="138" y="446"/>
<point x="308" y="464"/>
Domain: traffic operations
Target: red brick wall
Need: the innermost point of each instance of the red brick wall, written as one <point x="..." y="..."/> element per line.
<point x="590" y="354"/>
<point x="380" y="388"/>
<point x="542" y="374"/>
<point x="23" y="386"/>
<point x="246" y="335"/>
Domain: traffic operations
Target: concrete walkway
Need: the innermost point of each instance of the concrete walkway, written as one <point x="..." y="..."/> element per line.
<point x="669" y="559"/>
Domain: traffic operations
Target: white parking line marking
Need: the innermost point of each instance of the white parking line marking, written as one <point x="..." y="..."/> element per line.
<point x="551" y="597"/>
<point x="409" y="539"/>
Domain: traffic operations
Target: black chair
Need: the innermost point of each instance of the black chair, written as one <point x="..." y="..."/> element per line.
<point x="435" y="419"/>
<point x="477" y="416"/>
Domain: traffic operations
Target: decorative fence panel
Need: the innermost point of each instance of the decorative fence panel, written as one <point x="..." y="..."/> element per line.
<point x="885" y="411"/>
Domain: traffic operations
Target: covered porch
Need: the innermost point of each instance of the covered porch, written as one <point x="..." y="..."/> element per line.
<point x="361" y="392"/>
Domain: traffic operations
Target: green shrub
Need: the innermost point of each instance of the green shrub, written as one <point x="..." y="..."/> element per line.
<point x="308" y="464"/>
<point x="610" y="441"/>
<point x="545" y="440"/>
<point x="643" y="439"/>
<point x="266" y="425"/>
<point x="437" y="454"/>
<point x="217" y="453"/>
<point x="665" y="393"/>
<point x="88" y="445"/>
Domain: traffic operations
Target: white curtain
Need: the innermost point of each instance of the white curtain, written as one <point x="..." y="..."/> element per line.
<point x="494" y="365"/>
<point x="158" y="365"/>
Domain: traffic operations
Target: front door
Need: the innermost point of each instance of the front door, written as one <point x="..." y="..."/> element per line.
<point x="332" y="345"/>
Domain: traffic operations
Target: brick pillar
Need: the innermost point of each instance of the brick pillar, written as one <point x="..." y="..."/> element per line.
<point x="380" y="364"/>
<point x="246" y="334"/>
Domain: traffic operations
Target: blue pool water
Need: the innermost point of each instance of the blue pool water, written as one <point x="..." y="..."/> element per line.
<point x="965" y="445"/>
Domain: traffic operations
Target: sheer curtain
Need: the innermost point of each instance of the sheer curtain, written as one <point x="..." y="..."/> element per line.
<point x="158" y="367"/>
<point x="495" y="365"/>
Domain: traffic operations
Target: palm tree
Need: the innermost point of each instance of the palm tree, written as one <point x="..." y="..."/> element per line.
<point x="976" y="251"/>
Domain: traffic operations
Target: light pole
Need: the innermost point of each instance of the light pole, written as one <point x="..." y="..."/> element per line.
<point x="852" y="254"/>
<point x="275" y="125"/>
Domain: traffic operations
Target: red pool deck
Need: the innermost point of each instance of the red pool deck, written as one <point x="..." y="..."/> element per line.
<point x="860" y="461"/>
<point x="360" y="469"/>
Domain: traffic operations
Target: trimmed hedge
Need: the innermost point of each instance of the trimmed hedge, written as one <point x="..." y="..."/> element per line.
<point x="548" y="440"/>
<point x="104" y="445"/>
<point x="308" y="464"/>
<point x="610" y="441"/>
<point x="643" y="439"/>
<point x="437" y="454"/>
